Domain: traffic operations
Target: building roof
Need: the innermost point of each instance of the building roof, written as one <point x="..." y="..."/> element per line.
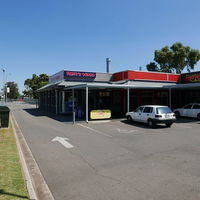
<point x="117" y="86"/>
<point x="186" y="86"/>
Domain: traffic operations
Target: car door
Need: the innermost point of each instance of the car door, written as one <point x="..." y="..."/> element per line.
<point x="187" y="110"/>
<point x="146" y="113"/>
<point x="195" y="110"/>
<point x="137" y="114"/>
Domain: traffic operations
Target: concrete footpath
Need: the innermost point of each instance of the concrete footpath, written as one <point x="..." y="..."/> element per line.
<point x="36" y="185"/>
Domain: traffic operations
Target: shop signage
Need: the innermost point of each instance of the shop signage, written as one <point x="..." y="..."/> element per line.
<point x="56" y="77"/>
<point x="190" y="78"/>
<point x="104" y="94"/>
<point x="79" y="74"/>
<point x="100" y="114"/>
<point x="193" y="78"/>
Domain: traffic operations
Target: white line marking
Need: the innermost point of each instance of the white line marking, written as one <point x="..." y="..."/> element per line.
<point x="183" y="126"/>
<point x="63" y="142"/>
<point x="125" y="131"/>
<point x="99" y="132"/>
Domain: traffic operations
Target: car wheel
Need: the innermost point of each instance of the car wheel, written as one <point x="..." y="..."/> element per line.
<point x="177" y="113"/>
<point x="150" y="123"/>
<point x="168" y="124"/>
<point x="198" y="116"/>
<point x="129" y="118"/>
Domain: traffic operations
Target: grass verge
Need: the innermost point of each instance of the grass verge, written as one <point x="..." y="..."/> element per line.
<point x="12" y="184"/>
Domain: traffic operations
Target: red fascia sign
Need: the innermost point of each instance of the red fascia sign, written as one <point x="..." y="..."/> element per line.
<point x="79" y="74"/>
<point x="145" y="76"/>
<point x="193" y="78"/>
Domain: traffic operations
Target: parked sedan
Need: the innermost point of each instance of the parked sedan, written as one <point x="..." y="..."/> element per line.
<point x="152" y="114"/>
<point x="190" y="110"/>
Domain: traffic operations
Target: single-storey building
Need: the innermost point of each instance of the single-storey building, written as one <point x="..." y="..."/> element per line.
<point x="84" y="92"/>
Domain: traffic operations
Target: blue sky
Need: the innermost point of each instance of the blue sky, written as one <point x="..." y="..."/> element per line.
<point x="46" y="36"/>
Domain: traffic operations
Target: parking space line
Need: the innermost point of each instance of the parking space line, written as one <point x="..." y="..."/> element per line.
<point x="182" y="126"/>
<point x="126" y="131"/>
<point x="96" y="131"/>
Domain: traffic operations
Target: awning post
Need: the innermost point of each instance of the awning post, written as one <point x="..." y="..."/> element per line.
<point x="63" y="101"/>
<point x="170" y="97"/>
<point x="56" y="101"/>
<point x="86" y="104"/>
<point x="73" y="109"/>
<point x="128" y="100"/>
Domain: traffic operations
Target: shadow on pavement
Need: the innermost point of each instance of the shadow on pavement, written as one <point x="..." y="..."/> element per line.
<point x="143" y="125"/>
<point x="2" y="192"/>
<point x="186" y="120"/>
<point x="60" y="118"/>
<point x="68" y="118"/>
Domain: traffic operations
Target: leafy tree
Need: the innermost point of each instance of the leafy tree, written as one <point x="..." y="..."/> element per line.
<point x="179" y="56"/>
<point x="164" y="58"/>
<point x="193" y="58"/>
<point x="14" y="91"/>
<point x="152" y="66"/>
<point x="33" y="84"/>
<point x="176" y="58"/>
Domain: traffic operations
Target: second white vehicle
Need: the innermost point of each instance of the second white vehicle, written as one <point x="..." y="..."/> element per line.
<point x="152" y="114"/>
<point x="190" y="110"/>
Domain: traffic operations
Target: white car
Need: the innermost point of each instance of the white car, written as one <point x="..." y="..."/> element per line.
<point x="190" y="110"/>
<point x="152" y="114"/>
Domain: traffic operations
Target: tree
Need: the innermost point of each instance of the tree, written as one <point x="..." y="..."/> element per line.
<point x="164" y="58"/>
<point x="152" y="66"/>
<point x="179" y="56"/>
<point x="176" y="58"/>
<point x="33" y="84"/>
<point x="14" y="91"/>
<point x="193" y="58"/>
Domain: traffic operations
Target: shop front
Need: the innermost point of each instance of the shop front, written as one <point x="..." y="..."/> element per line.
<point x="92" y="95"/>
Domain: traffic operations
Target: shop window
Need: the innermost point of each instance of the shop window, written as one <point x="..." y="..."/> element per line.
<point x="104" y="94"/>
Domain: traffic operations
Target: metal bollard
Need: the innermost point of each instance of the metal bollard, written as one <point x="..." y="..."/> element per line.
<point x="74" y="117"/>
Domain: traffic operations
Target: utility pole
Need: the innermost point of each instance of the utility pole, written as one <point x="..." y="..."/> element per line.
<point x="4" y="87"/>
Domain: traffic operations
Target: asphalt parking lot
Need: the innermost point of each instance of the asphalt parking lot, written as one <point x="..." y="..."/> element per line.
<point x="115" y="159"/>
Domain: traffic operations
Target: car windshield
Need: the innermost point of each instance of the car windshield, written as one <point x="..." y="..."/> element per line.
<point x="163" y="110"/>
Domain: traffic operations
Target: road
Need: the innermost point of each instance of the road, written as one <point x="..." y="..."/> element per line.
<point x="114" y="160"/>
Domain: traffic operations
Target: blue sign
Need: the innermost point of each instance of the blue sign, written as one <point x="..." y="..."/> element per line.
<point x="80" y="74"/>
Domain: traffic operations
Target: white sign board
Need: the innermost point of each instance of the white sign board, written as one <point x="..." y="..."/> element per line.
<point x="8" y="90"/>
<point x="56" y="77"/>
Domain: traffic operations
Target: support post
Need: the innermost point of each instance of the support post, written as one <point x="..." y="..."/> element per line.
<point x="73" y="110"/>
<point x="56" y="101"/>
<point x="63" y="101"/>
<point x="128" y="100"/>
<point x="170" y="97"/>
<point x="39" y="99"/>
<point x="86" y="106"/>
<point x="46" y="97"/>
<point x="59" y="101"/>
